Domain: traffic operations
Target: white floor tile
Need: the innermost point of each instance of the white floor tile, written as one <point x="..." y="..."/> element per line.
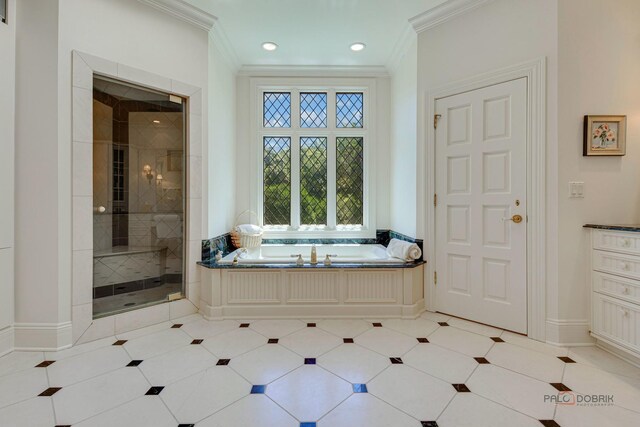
<point x="345" y="328"/>
<point x="386" y="342"/>
<point x="79" y="349"/>
<point x="89" y="398"/>
<point x="22" y="385"/>
<point x="416" y="393"/>
<point x="198" y="396"/>
<point x="146" y="411"/>
<point x="596" y="416"/>
<point x="19" y="361"/>
<point x="530" y="344"/>
<point x="417" y="328"/>
<point x="448" y="365"/>
<point x="156" y="344"/>
<point x="137" y="333"/>
<point x="604" y="360"/>
<point x="464" y="342"/>
<point x="474" y="327"/>
<point x="310" y="342"/>
<point x="590" y="380"/>
<point x="253" y="410"/>
<point x="87" y="365"/>
<point x="277" y="328"/>
<point x="36" y="412"/>
<point x="309" y="392"/>
<point x="266" y="363"/>
<point x="234" y="343"/>
<point x="355" y="364"/>
<point x="542" y="366"/>
<point x="471" y="410"/>
<point x="435" y="317"/>
<point x="202" y="328"/>
<point x="177" y="364"/>
<point x="513" y="390"/>
<point x="362" y="409"/>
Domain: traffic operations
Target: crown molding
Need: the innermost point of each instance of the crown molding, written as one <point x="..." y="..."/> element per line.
<point x="401" y="47"/>
<point x="313" y="71"/>
<point x="443" y="13"/>
<point x="219" y="38"/>
<point x="184" y="11"/>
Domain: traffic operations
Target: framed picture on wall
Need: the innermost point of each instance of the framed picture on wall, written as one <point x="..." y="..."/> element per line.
<point x="605" y="135"/>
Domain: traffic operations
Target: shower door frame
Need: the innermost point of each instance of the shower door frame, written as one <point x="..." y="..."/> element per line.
<point x="84" y="327"/>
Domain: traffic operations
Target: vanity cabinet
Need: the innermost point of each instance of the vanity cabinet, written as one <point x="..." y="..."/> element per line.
<point x="615" y="288"/>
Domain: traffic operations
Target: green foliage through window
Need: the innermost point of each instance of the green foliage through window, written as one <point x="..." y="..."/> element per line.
<point x="277" y="180"/>
<point x="349" y="181"/>
<point x="313" y="180"/>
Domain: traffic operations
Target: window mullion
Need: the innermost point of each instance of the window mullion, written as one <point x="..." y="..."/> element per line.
<point x="331" y="181"/>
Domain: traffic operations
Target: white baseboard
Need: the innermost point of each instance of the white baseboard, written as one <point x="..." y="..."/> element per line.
<point x="620" y="352"/>
<point x="42" y="336"/>
<point x="568" y="332"/>
<point x="6" y="340"/>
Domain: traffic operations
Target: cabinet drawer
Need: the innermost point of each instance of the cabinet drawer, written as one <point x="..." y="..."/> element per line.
<point x="617" y="321"/>
<point x="616" y="241"/>
<point x="615" y="286"/>
<point x="622" y="264"/>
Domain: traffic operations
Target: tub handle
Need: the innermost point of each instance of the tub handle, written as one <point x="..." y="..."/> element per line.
<point x="300" y="260"/>
<point x="327" y="259"/>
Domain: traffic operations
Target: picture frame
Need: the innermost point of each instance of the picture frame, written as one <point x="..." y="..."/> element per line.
<point x="605" y="135"/>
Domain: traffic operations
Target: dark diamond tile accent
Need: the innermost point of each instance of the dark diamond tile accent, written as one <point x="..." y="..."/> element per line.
<point x="258" y="389"/>
<point x="549" y="423"/>
<point x="360" y="388"/>
<point x="377" y="325"/>
<point x="560" y="387"/>
<point x="154" y="391"/>
<point x="396" y="360"/>
<point x="223" y="362"/>
<point x="566" y="359"/>
<point x="429" y="424"/>
<point x="461" y="388"/>
<point x="497" y="339"/>
<point x="307" y="424"/>
<point x="272" y="341"/>
<point x="63" y="425"/>
<point x="311" y="325"/>
<point x="309" y="361"/>
<point x="482" y="360"/>
<point x="135" y="363"/>
<point x="423" y="340"/>
<point x="244" y="325"/>
<point x="177" y="326"/>
<point x="186" y="425"/>
<point x="348" y="340"/>
<point x="45" y="363"/>
<point x="50" y="391"/>
<point x="120" y="342"/>
<point x="443" y="324"/>
<point x="196" y="342"/>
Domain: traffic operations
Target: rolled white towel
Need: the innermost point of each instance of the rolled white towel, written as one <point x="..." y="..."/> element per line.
<point x="248" y="228"/>
<point x="404" y="250"/>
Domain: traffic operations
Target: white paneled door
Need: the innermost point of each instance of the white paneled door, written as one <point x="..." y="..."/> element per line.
<point x="481" y="205"/>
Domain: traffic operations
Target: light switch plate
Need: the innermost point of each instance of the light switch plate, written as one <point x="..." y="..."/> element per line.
<point x="576" y="190"/>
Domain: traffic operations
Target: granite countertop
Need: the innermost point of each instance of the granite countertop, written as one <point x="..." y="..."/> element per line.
<point x="620" y="227"/>
<point x="213" y="265"/>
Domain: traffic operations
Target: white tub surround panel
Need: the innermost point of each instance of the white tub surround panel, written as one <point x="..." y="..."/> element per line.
<point x="84" y="327"/>
<point x="292" y="292"/>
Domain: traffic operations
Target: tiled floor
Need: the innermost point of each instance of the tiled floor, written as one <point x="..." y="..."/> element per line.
<point x="432" y="371"/>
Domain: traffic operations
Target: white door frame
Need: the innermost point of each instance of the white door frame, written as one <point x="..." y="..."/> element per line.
<point x="535" y="72"/>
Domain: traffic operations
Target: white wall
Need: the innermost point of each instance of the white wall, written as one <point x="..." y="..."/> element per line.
<point x="598" y="69"/>
<point x="7" y="146"/>
<point x="403" y="147"/>
<point x="499" y="34"/>
<point x="244" y="153"/>
<point x="122" y="31"/>
<point x="222" y="136"/>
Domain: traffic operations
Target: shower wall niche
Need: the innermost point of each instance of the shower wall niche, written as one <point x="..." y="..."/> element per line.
<point x="138" y="197"/>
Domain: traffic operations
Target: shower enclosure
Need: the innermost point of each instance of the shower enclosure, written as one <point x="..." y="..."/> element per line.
<point x="138" y="197"/>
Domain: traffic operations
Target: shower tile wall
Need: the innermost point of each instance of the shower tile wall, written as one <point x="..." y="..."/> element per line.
<point x="102" y="146"/>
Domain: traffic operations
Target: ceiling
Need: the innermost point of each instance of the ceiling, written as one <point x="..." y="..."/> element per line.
<point x="314" y="32"/>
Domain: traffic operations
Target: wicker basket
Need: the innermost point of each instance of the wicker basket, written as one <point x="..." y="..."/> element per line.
<point x="245" y="240"/>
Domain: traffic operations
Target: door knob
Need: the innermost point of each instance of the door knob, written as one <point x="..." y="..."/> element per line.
<point x="517" y="219"/>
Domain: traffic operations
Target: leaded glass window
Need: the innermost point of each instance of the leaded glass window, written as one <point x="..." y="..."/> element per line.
<point x="349" y="180"/>
<point x="277" y="180"/>
<point x="277" y="109"/>
<point x="313" y="180"/>
<point x="349" y="110"/>
<point x="313" y="110"/>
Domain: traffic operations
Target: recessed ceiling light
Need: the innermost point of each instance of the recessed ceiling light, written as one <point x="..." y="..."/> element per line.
<point x="357" y="47"/>
<point x="270" y="46"/>
<point x="156" y="121"/>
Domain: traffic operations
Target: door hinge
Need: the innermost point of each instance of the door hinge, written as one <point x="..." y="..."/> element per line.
<point x="435" y="200"/>
<point x="435" y="278"/>
<point x="436" y="117"/>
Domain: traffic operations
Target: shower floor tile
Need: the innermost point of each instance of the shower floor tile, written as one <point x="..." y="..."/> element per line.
<point x="459" y="377"/>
